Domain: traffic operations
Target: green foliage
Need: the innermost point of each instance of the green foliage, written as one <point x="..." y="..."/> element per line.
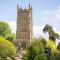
<point x="6" y="32"/>
<point x="47" y="28"/>
<point x="10" y="37"/>
<point x="4" y="29"/>
<point x="7" y="49"/>
<point x="52" y="34"/>
<point x="57" y="56"/>
<point x="35" y="51"/>
<point x="30" y="54"/>
<point x="44" y="42"/>
<point x="51" y="45"/>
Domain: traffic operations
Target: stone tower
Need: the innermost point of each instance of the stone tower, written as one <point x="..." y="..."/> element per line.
<point x="24" y="26"/>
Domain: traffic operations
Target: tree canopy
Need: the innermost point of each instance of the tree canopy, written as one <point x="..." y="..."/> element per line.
<point x="7" y="49"/>
<point x="52" y="34"/>
<point x="4" y="29"/>
<point x="35" y="51"/>
<point x="10" y="37"/>
<point x="50" y="44"/>
<point x="6" y="32"/>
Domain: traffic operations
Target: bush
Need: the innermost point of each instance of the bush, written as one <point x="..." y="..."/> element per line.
<point x="52" y="45"/>
<point x="7" y="49"/>
<point x="35" y="51"/>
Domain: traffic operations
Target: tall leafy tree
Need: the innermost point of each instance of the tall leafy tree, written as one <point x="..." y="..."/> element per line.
<point x="4" y="29"/>
<point x="11" y="37"/>
<point x="52" y="34"/>
<point x="6" y="32"/>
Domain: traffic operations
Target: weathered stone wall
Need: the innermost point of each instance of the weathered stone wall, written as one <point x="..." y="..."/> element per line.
<point x="24" y="26"/>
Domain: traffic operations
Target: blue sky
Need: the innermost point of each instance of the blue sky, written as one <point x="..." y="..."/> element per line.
<point x="44" y="12"/>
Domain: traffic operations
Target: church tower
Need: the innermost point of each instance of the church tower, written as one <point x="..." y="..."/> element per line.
<point x="24" y="26"/>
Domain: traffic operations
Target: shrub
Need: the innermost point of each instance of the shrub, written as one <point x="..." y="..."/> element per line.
<point x="7" y="49"/>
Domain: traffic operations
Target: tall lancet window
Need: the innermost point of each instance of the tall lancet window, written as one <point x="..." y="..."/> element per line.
<point x="25" y="18"/>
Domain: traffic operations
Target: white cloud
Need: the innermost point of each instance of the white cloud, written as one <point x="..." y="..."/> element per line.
<point x="56" y="30"/>
<point x="37" y="30"/>
<point x="57" y="13"/>
<point x="12" y="25"/>
<point x="47" y="12"/>
<point x="52" y="13"/>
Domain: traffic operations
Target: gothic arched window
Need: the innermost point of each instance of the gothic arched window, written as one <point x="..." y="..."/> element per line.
<point x="25" y="18"/>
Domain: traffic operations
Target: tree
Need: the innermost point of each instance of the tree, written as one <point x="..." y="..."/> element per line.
<point x="35" y="51"/>
<point x="43" y="41"/>
<point x="52" y="51"/>
<point x="7" y="49"/>
<point x="10" y="37"/>
<point x="52" y="34"/>
<point x="58" y="47"/>
<point x="6" y="32"/>
<point x="4" y="29"/>
<point x="50" y="44"/>
<point x="30" y="54"/>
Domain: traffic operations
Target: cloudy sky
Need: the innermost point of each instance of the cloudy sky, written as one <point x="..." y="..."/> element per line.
<point x="44" y="12"/>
